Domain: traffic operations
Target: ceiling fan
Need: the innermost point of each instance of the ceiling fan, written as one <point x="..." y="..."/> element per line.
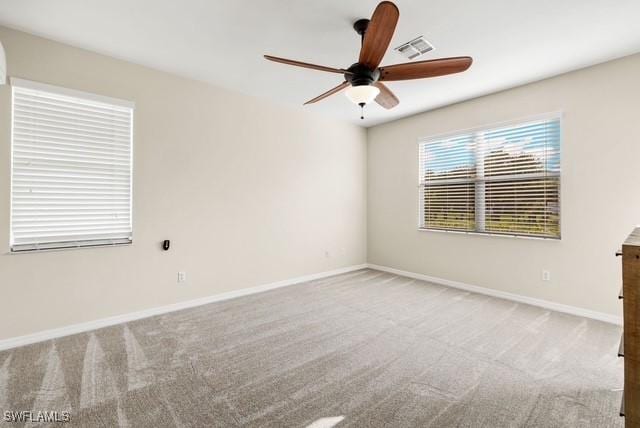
<point x="365" y="78"/>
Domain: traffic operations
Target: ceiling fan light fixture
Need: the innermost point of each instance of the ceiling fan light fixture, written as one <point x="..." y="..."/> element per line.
<point x="365" y="80"/>
<point x="363" y="94"/>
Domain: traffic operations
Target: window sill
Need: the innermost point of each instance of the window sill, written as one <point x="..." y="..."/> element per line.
<point x="499" y="235"/>
<point x="78" y="247"/>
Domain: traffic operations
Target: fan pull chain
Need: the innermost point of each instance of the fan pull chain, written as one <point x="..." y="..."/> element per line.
<point x="361" y="110"/>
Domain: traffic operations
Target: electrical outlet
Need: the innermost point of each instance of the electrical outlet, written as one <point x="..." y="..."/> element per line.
<point x="546" y="275"/>
<point x="182" y="276"/>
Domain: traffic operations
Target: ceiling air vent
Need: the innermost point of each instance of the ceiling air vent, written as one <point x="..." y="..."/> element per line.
<point x="414" y="48"/>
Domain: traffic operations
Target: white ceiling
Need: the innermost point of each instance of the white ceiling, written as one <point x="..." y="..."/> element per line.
<point x="222" y="42"/>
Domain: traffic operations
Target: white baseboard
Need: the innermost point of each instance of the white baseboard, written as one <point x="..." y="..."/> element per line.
<point x="558" y="307"/>
<point x="14" y="342"/>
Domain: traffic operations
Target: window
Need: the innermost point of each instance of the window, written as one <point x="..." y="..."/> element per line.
<point x="71" y="168"/>
<point x="503" y="180"/>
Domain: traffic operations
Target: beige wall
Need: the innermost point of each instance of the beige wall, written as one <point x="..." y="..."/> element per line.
<point x="251" y="193"/>
<point x="600" y="193"/>
<point x="248" y="192"/>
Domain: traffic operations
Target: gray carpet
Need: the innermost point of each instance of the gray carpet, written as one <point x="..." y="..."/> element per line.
<point x="360" y="349"/>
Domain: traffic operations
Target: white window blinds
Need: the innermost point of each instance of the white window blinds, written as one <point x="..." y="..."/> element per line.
<point x="503" y="180"/>
<point x="71" y="168"/>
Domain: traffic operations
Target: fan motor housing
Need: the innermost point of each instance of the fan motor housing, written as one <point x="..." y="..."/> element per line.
<point x="362" y="75"/>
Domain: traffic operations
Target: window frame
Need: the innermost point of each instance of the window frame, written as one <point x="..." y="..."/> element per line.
<point x="90" y="97"/>
<point x="554" y="115"/>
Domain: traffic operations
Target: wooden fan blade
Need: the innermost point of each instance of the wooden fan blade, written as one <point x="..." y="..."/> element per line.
<point x="328" y="93"/>
<point x="422" y="69"/>
<point x="386" y="98"/>
<point x="306" y="65"/>
<point x="379" y="34"/>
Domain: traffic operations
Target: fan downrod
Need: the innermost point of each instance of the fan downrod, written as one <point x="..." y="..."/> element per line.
<point x="361" y="26"/>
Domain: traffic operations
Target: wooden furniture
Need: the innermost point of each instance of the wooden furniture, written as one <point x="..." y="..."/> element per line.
<point x="630" y="341"/>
